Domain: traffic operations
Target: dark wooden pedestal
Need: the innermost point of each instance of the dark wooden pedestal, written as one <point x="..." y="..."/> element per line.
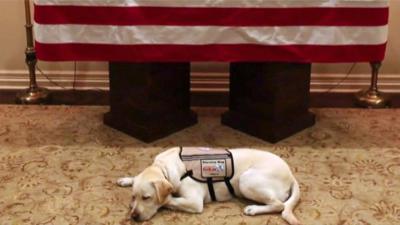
<point x="269" y="100"/>
<point x="150" y="100"/>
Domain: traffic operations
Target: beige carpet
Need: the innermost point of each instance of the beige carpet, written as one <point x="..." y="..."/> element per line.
<point x="58" y="165"/>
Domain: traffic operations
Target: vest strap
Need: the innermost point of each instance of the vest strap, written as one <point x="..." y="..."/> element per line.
<point x="229" y="186"/>
<point x="187" y="174"/>
<point x="211" y="189"/>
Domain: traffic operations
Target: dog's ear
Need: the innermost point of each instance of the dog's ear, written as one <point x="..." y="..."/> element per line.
<point x="163" y="189"/>
<point x="171" y="174"/>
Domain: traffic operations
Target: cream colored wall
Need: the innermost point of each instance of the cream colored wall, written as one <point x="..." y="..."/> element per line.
<point x="12" y="45"/>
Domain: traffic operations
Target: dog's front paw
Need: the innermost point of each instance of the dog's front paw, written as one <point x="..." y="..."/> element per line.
<point x="125" y="181"/>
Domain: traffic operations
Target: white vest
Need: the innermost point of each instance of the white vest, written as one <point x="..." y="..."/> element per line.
<point x="208" y="165"/>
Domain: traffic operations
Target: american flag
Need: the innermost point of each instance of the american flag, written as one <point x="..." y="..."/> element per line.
<point x="211" y="30"/>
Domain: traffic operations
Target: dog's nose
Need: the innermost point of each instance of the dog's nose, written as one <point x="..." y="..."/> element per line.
<point x="135" y="216"/>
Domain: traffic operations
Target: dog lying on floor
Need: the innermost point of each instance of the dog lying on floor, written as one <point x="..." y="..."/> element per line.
<point x="256" y="175"/>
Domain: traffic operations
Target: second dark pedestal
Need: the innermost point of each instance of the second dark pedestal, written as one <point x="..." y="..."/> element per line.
<point x="269" y="100"/>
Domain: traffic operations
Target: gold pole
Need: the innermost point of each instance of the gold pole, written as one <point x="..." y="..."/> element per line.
<point x="34" y="94"/>
<point x="373" y="98"/>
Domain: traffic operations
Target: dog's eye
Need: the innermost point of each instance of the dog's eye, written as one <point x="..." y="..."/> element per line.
<point x="145" y="198"/>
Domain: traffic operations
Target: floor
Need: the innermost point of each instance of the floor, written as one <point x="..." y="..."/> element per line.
<point x="58" y="165"/>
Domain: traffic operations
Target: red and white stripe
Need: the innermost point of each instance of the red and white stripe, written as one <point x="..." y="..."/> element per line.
<point x="211" y="30"/>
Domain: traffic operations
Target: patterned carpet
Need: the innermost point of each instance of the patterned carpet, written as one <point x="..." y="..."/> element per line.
<point x="58" y="165"/>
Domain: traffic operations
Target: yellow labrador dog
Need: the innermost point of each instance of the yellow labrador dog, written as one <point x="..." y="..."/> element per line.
<point x="259" y="176"/>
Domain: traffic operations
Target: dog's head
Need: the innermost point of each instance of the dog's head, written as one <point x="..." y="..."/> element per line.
<point x="150" y="191"/>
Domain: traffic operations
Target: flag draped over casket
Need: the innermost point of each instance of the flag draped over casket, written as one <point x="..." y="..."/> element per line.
<point x="211" y="30"/>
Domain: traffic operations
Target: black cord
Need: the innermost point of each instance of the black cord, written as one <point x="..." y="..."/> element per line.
<point x="73" y="84"/>
<point x="49" y="79"/>
<point x="343" y="79"/>
<point x="75" y="79"/>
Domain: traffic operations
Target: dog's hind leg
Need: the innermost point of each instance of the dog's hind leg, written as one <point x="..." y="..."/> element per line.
<point x="272" y="205"/>
<point x="254" y="185"/>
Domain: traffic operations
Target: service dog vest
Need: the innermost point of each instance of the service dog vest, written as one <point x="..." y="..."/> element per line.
<point x="209" y="166"/>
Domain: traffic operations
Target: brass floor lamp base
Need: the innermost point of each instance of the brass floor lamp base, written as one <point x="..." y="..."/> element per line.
<point x="372" y="99"/>
<point x="34" y="96"/>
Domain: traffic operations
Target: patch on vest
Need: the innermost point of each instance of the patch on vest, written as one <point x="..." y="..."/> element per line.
<point x="213" y="168"/>
<point x="205" y="163"/>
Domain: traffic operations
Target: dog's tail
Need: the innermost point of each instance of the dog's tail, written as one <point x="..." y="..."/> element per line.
<point x="294" y="198"/>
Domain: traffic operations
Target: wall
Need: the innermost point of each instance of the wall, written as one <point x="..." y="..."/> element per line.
<point x="13" y="73"/>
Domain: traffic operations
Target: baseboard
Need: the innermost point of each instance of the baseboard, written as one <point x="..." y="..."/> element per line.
<point x="200" y="81"/>
<point x="55" y="80"/>
<point x="208" y="89"/>
<point x="64" y="97"/>
<point x="198" y="99"/>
